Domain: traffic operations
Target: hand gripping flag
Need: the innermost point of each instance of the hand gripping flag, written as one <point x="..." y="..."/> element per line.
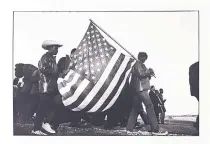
<point x="98" y="74"/>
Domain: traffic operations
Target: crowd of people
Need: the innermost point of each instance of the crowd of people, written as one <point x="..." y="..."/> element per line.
<point x="36" y="96"/>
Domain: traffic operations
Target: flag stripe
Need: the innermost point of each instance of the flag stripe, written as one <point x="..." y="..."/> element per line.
<point x="115" y="81"/>
<point x="99" y="84"/>
<point x="118" y="91"/>
<point x="61" y="81"/>
<point x="84" y="84"/>
<point x="80" y="97"/>
<point x="70" y="92"/>
<point x="69" y="84"/>
<point x="106" y="84"/>
<point x="116" y="87"/>
<point x="105" y="69"/>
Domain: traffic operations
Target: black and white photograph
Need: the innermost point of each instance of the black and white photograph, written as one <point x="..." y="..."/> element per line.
<point x="106" y="73"/>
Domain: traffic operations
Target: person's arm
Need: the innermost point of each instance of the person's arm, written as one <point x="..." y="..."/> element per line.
<point x="46" y="66"/>
<point x="139" y="71"/>
<point x="164" y="100"/>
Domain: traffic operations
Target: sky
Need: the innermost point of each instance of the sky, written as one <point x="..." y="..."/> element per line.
<point x="169" y="38"/>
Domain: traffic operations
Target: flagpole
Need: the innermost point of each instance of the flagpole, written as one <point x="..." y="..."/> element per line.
<point x="112" y="39"/>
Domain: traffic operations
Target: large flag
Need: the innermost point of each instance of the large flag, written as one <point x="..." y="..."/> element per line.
<point x="98" y="74"/>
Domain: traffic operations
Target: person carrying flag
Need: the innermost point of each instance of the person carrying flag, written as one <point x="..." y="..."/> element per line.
<point x="140" y="83"/>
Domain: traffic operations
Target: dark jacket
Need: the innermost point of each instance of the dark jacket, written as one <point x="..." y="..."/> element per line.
<point x="140" y="77"/>
<point x="162" y="101"/>
<point x="48" y="73"/>
<point x="194" y="79"/>
<point x="154" y="98"/>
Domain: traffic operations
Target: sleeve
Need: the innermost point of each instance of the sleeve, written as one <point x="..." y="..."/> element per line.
<point x="35" y="77"/>
<point x="193" y="73"/>
<point x="28" y="70"/>
<point x="151" y="95"/>
<point x="190" y="75"/>
<point x="45" y="65"/>
<point x="138" y="71"/>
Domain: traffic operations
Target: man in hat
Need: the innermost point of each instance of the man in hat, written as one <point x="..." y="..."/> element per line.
<point x="140" y="84"/>
<point x="47" y="86"/>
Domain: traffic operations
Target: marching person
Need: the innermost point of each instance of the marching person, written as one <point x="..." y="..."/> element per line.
<point x="140" y="83"/>
<point x="47" y="86"/>
<point x="23" y="72"/>
<point x="155" y="101"/>
<point x="63" y="114"/>
<point x="66" y="62"/>
<point x="162" y="106"/>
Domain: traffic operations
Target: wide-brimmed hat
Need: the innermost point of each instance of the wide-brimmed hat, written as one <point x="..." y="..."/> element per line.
<point x="48" y="43"/>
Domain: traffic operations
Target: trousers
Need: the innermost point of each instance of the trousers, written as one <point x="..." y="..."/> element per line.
<point x="45" y="106"/>
<point x="138" y="98"/>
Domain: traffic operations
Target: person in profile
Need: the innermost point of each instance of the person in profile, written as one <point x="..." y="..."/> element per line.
<point x="47" y="86"/>
<point x="162" y="106"/>
<point x="155" y="101"/>
<point x="194" y="86"/>
<point x="140" y="82"/>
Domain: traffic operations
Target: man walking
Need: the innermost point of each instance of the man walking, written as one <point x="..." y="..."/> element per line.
<point x="47" y="86"/>
<point x="140" y="83"/>
<point x="155" y="101"/>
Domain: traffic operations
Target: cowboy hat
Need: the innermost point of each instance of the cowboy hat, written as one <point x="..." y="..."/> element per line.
<point x="46" y="44"/>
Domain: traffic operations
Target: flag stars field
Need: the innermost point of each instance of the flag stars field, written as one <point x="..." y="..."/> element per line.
<point x="101" y="62"/>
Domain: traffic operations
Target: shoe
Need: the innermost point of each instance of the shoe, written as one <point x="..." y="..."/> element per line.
<point x="47" y="127"/>
<point x="160" y="133"/>
<point x="136" y="133"/>
<point x="129" y="132"/>
<point x="38" y="132"/>
<point x="145" y="133"/>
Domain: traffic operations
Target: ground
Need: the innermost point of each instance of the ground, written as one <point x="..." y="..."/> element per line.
<point x="175" y="125"/>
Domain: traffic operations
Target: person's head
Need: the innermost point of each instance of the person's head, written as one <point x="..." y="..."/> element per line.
<point x="51" y="46"/>
<point x="161" y="90"/>
<point x="19" y="70"/>
<point x="72" y="53"/>
<point x="142" y="56"/>
<point x="152" y="88"/>
<point x="53" y="50"/>
<point x="61" y="64"/>
<point x="156" y="92"/>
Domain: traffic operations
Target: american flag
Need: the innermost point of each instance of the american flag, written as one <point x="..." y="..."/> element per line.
<point x="98" y="74"/>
